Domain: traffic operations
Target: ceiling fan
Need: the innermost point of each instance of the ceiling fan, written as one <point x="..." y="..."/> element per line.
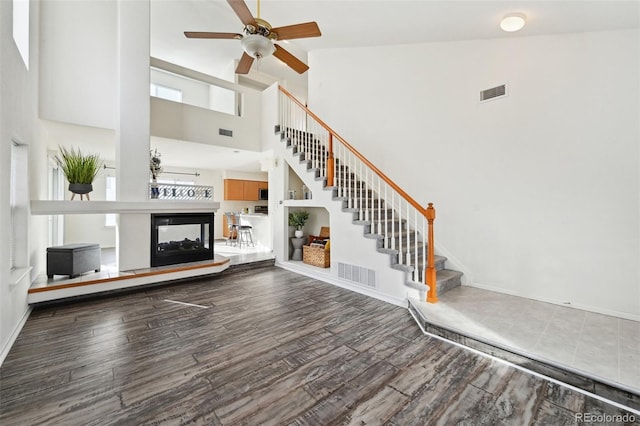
<point x="258" y="40"/>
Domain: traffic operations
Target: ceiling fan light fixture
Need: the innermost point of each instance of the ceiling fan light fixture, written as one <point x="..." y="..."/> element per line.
<point x="513" y="22"/>
<point x="257" y="46"/>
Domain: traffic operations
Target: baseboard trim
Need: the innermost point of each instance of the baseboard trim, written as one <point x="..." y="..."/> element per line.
<point x="14" y="335"/>
<point x="327" y="278"/>
<point x="594" y="309"/>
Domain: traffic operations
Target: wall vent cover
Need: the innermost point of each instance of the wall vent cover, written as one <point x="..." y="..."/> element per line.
<point x="493" y="93"/>
<point x="357" y="274"/>
<point x="225" y="132"/>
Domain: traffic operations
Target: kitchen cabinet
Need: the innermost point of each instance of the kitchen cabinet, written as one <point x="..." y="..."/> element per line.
<point x="233" y="189"/>
<point x="250" y="190"/>
<point x="243" y="190"/>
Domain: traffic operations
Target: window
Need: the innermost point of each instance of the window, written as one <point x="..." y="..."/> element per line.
<point x="21" y="28"/>
<point x="165" y="92"/>
<point x="19" y="201"/>
<point x="176" y="182"/>
<point x="56" y="192"/>
<point x="110" y="195"/>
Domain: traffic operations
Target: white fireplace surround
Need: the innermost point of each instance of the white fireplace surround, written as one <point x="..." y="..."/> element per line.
<point x="133" y="234"/>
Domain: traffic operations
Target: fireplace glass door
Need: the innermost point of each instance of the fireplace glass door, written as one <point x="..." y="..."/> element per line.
<point x="181" y="238"/>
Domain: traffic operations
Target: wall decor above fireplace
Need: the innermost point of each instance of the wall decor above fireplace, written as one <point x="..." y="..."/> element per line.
<point x="164" y="191"/>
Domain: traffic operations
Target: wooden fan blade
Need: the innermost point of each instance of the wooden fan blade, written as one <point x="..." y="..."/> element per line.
<point x="286" y="57"/>
<point x="244" y="65"/>
<point x="242" y="10"/>
<point x="200" y="34"/>
<point x="308" y="29"/>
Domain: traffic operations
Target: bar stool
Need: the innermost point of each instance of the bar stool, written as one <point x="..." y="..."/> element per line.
<point x="231" y="227"/>
<point x="244" y="233"/>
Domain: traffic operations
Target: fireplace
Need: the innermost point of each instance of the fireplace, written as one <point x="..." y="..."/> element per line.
<point x="181" y="238"/>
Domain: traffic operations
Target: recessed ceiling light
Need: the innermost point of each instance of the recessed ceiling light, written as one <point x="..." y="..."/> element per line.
<point x="513" y="22"/>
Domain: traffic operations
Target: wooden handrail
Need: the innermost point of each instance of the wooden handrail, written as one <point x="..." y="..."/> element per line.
<point x="355" y="152"/>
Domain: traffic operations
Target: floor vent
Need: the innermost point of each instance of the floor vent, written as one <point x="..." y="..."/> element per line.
<point x="225" y="132"/>
<point x="493" y="93"/>
<point x="357" y="274"/>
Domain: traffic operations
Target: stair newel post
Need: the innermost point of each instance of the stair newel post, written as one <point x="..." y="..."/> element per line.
<point x="330" y="162"/>
<point x="432" y="296"/>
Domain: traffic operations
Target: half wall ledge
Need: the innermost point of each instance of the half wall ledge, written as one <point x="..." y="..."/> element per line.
<point x="47" y="207"/>
<point x="86" y="285"/>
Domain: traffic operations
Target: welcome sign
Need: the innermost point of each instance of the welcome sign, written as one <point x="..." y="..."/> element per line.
<point x="162" y="191"/>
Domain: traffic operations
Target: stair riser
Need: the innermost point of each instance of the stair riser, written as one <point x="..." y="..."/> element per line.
<point x="442" y="286"/>
<point x="371" y="229"/>
<point x="361" y="204"/>
<point x="348" y="183"/>
<point x="383" y="213"/>
<point x="302" y="147"/>
<point x="440" y="265"/>
<point x="363" y="195"/>
<point x="313" y="156"/>
<point x="409" y="244"/>
<point x="292" y="133"/>
<point x="346" y="177"/>
<point x="311" y="147"/>
<point x="422" y="265"/>
<point x="386" y="225"/>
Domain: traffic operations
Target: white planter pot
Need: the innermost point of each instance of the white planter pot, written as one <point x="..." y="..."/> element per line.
<point x="298" y="234"/>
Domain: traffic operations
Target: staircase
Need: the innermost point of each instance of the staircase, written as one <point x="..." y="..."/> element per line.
<point x="386" y="216"/>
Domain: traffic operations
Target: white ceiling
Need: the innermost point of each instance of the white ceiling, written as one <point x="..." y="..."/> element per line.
<point x="192" y="155"/>
<point x="351" y="23"/>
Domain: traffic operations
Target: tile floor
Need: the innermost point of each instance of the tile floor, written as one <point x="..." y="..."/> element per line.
<point x="242" y="255"/>
<point x="600" y="345"/>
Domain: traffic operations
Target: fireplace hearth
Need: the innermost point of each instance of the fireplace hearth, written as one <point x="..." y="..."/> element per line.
<point x="181" y="238"/>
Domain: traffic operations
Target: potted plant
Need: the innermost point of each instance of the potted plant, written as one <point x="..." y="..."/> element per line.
<point x="298" y="220"/>
<point x="79" y="169"/>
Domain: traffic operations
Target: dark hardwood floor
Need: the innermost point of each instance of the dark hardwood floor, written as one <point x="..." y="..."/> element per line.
<point x="263" y="346"/>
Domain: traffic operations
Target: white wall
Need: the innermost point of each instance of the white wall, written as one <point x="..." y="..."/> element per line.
<point x="18" y="121"/>
<point x="73" y="91"/>
<point x="193" y="92"/>
<point x="90" y="228"/>
<point x="318" y="217"/>
<point x="174" y="120"/>
<point x="537" y="194"/>
<point x="84" y="228"/>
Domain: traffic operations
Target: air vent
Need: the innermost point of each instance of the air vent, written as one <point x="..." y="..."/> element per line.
<point x="493" y="93"/>
<point x="225" y="132"/>
<point x="357" y="274"/>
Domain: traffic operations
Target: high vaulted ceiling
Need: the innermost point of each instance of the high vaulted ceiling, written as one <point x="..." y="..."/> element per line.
<point x="350" y="23"/>
<point x="353" y="23"/>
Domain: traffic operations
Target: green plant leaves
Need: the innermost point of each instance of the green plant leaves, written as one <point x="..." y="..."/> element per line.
<point x="298" y="218"/>
<point x="77" y="167"/>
